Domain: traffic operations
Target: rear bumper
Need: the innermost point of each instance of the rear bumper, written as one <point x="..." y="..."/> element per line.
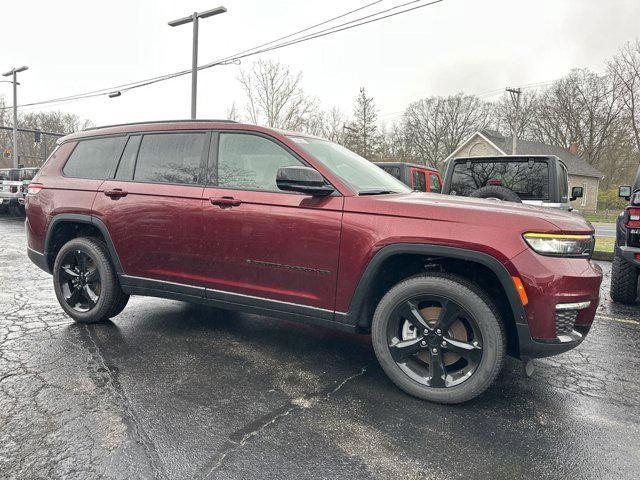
<point x="629" y="254"/>
<point x="39" y="259"/>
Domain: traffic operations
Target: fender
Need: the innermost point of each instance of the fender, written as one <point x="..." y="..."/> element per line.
<point x="503" y="275"/>
<point x="89" y="220"/>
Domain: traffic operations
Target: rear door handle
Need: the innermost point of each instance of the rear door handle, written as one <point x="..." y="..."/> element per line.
<point x="115" y="193"/>
<point x="223" y="202"/>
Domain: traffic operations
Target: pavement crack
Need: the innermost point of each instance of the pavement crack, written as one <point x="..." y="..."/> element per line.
<point x="240" y="437"/>
<point x="113" y="384"/>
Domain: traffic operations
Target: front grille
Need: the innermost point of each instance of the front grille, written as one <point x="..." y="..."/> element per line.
<point x="565" y="320"/>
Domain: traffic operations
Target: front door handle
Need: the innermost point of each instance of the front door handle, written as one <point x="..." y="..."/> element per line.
<point x="225" y="202"/>
<point x="115" y="193"/>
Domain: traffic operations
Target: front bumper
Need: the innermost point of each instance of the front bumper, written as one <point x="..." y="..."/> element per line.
<point x="548" y="282"/>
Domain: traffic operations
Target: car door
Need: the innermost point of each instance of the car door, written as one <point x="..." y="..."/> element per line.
<point x="261" y="243"/>
<point x="152" y="207"/>
<point x="435" y="184"/>
<point x="418" y="180"/>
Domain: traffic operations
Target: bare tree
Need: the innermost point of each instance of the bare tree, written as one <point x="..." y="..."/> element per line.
<point x="435" y="126"/>
<point x="275" y="97"/>
<point x="362" y="135"/>
<point x="504" y="115"/>
<point x="233" y="113"/>
<point x="625" y="69"/>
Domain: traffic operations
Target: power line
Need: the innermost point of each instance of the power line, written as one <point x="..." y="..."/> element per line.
<point x="253" y="51"/>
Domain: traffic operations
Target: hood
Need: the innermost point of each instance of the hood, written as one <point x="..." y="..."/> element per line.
<point x="472" y="210"/>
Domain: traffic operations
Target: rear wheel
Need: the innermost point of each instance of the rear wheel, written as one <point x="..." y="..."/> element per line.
<point x="624" y="281"/>
<point x="85" y="282"/>
<point x="439" y="338"/>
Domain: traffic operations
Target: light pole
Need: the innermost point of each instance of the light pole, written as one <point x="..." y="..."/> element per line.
<point x="194" y="62"/>
<point x="14" y="73"/>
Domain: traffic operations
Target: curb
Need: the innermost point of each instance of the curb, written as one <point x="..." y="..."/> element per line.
<point x="603" y="256"/>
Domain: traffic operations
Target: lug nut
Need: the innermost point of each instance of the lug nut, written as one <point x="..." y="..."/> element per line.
<point x="426" y="332"/>
<point x="444" y="344"/>
<point x="439" y="332"/>
<point x="423" y="343"/>
<point x="435" y="350"/>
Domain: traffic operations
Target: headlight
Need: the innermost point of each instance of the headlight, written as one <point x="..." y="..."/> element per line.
<point x="558" y="245"/>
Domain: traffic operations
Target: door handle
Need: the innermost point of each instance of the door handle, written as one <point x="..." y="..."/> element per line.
<point x="115" y="193"/>
<point x="223" y="202"/>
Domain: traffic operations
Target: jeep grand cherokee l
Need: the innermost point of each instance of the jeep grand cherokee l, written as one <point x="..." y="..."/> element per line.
<point x="297" y="227"/>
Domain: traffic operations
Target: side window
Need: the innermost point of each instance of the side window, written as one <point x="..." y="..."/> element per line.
<point x="171" y="158"/>
<point x="392" y="170"/>
<point x="128" y="159"/>
<point x="251" y="162"/>
<point x="564" y="185"/>
<point x="419" y="181"/>
<point x="434" y="183"/>
<point x="94" y="158"/>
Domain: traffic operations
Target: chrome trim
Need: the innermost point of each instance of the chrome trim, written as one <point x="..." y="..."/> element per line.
<point x="573" y="306"/>
<point x="271" y="300"/>
<point x="232" y="294"/>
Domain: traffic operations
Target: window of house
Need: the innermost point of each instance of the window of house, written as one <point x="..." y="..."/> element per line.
<point x="583" y="202"/>
<point x="251" y="162"/>
<point x="94" y="158"/>
<point x="171" y="158"/>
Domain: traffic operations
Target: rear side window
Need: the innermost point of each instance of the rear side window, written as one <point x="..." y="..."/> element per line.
<point x="128" y="159"/>
<point x="171" y="158"/>
<point x="434" y="183"/>
<point x="419" y="181"/>
<point x="251" y="162"/>
<point x="94" y="158"/>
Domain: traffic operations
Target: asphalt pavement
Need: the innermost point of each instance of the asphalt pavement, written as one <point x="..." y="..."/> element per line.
<point x="169" y="390"/>
<point x="606" y="230"/>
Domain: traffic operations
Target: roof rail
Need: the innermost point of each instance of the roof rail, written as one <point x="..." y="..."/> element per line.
<point x="218" y="120"/>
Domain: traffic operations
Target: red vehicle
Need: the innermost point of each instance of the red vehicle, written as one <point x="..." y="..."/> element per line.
<point x="418" y="177"/>
<point x="293" y="226"/>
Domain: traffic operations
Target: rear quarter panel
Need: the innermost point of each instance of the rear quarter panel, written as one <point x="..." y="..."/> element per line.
<point x="60" y="195"/>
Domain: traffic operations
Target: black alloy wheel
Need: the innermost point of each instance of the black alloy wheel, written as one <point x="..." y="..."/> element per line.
<point x="434" y="341"/>
<point x="79" y="280"/>
<point x="439" y="337"/>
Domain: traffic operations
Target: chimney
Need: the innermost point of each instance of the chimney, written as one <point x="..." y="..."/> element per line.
<point x="573" y="147"/>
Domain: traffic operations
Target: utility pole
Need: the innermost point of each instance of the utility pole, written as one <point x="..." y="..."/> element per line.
<point x="515" y="98"/>
<point x="13" y="73"/>
<point x="193" y="18"/>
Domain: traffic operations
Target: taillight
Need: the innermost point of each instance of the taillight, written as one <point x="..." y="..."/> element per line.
<point x="34" y="188"/>
<point x="633" y="217"/>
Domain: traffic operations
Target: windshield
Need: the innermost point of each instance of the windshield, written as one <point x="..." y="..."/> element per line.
<point x="530" y="180"/>
<point x="362" y="175"/>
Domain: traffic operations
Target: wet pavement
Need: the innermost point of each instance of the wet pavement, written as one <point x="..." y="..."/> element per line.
<point x="169" y="390"/>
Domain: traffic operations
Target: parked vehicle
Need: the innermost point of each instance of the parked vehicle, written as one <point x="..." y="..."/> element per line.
<point x="418" y="177"/>
<point x="540" y="180"/>
<point x="626" y="260"/>
<point x="10" y="190"/>
<point x="294" y="226"/>
<point x="26" y="175"/>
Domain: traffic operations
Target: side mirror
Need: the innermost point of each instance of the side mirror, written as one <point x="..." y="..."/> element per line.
<point x="304" y="180"/>
<point x="624" y="191"/>
<point x="576" y="192"/>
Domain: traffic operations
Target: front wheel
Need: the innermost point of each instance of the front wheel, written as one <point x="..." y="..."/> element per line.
<point x="85" y="282"/>
<point x="438" y="337"/>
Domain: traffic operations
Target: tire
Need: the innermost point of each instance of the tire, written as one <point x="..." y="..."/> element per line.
<point x="496" y="191"/>
<point x="76" y="290"/>
<point x="475" y="307"/>
<point x="624" y="281"/>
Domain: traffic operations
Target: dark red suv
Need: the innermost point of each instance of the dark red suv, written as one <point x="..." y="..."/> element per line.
<point x="293" y="226"/>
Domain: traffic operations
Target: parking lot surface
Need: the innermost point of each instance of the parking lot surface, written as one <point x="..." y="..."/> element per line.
<point x="169" y="390"/>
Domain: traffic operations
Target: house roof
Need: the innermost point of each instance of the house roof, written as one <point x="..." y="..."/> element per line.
<point x="575" y="164"/>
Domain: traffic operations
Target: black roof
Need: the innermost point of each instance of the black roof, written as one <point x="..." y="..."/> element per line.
<point x="408" y="164"/>
<point x="575" y="164"/>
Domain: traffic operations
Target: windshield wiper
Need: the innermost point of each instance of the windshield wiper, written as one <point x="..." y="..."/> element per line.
<point x="375" y="192"/>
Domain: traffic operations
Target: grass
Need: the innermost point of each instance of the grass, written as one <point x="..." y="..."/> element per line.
<point x="602" y="217"/>
<point x="605" y="244"/>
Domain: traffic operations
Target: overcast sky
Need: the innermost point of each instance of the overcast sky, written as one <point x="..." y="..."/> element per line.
<point x="475" y="46"/>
